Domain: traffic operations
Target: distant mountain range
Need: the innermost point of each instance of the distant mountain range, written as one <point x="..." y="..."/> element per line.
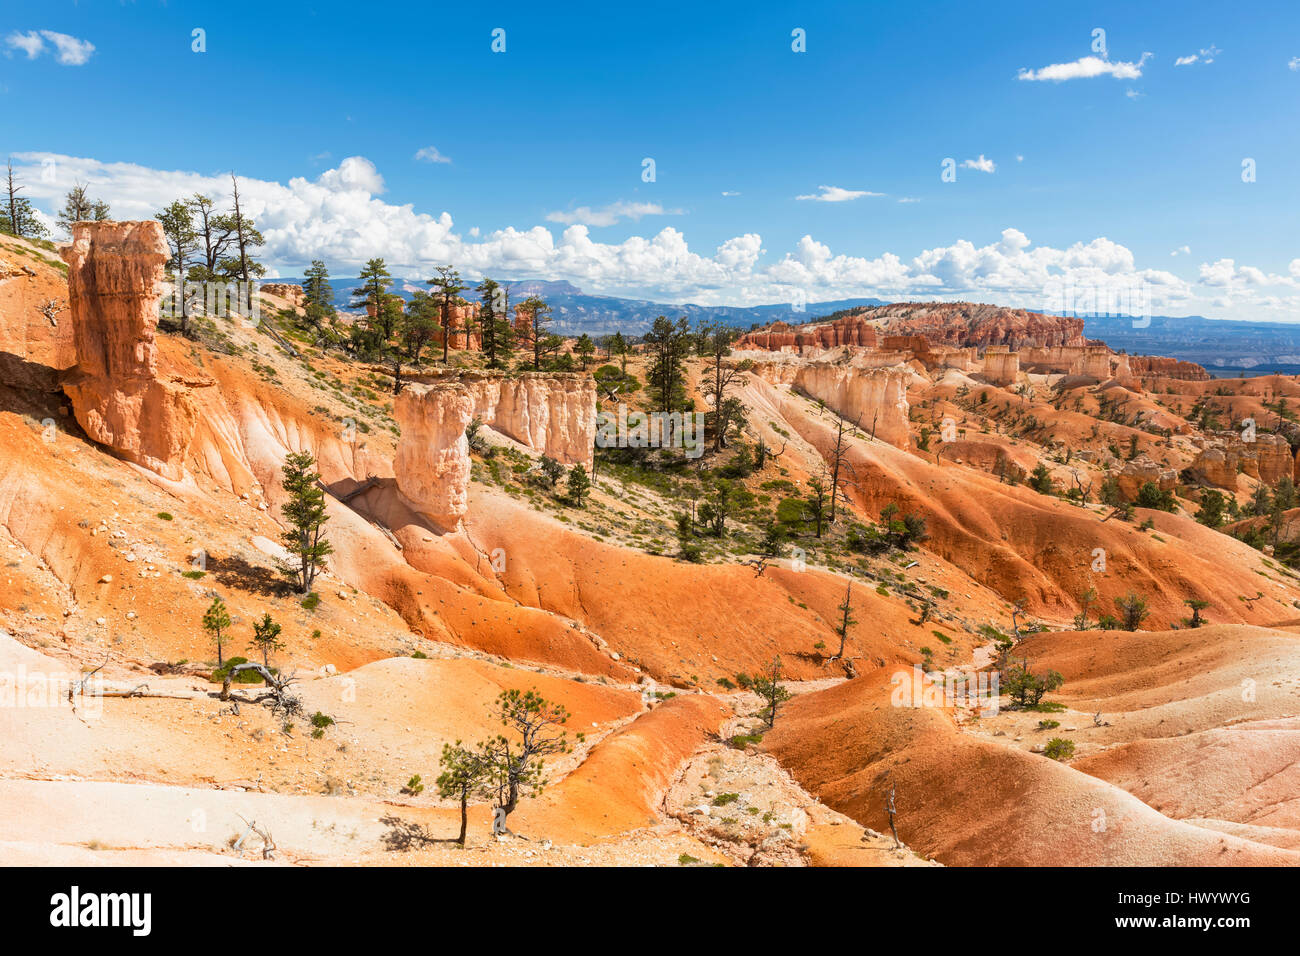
<point x="576" y="311"/>
<point x="1224" y="347"/>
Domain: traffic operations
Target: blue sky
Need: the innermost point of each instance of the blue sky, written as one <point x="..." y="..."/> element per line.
<point x="546" y="141"/>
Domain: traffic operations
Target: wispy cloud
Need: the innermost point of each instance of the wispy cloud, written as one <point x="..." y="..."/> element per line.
<point x="837" y="194"/>
<point x="608" y="215"/>
<point x="68" y="50"/>
<point x="1200" y="56"/>
<point x="1293" y="64"/>
<point x="730" y="192"/>
<point x="1182" y="251"/>
<point x="29" y="42"/>
<point x="908" y="199"/>
<point x="1086" y="67"/>
<point x="983" y="164"/>
<point x="430" y="154"/>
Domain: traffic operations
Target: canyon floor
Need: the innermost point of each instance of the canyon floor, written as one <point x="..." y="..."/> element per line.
<point x="1184" y="740"/>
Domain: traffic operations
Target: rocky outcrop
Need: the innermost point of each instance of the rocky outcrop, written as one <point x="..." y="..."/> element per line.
<point x="1139" y="472"/>
<point x="464" y="332"/>
<point x="972" y="324"/>
<point x="290" y="292"/>
<point x="551" y="413"/>
<point x="874" y="399"/>
<point x="1161" y="367"/>
<point x="122" y="395"/>
<point x="780" y="336"/>
<point x="35" y="332"/>
<point x="1001" y="366"/>
<point x="1267" y="459"/>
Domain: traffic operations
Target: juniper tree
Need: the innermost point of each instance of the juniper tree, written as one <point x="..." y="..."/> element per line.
<point x="305" y="512"/>
<point x="215" y="621"/>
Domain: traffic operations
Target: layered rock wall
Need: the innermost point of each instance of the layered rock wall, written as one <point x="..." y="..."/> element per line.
<point x="551" y="413"/>
<point x="875" y="399"/>
<point x="780" y="336"/>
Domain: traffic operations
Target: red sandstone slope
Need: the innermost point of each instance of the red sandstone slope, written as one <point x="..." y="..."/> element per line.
<point x="970" y="802"/>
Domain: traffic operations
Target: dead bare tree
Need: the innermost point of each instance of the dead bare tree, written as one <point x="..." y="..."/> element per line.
<point x="268" y="843"/>
<point x="892" y="810"/>
<point x="51" y="310"/>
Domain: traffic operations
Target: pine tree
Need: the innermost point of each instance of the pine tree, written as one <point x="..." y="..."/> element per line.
<point x="317" y="294"/>
<point x="846" y="619"/>
<point x="372" y="296"/>
<point x="496" y="332"/>
<point x="266" y="638"/>
<point x="466" y="773"/>
<point x="669" y="342"/>
<point x="216" y="619"/>
<point x="18" y="217"/>
<point x="585" y="348"/>
<point x="305" y="512"/>
<point x="178" y="226"/>
<point x="247" y="239"/>
<point x="418" y="325"/>
<point x="579" y="484"/>
<point x="216" y="233"/>
<point x="540" y="340"/>
<point x="768" y="687"/>
<point x="79" y="207"/>
<point x="447" y="288"/>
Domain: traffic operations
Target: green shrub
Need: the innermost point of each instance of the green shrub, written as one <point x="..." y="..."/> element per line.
<point x="1058" y="748"/>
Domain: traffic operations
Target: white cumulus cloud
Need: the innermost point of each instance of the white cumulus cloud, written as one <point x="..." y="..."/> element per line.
<point x="982" y="164"/>
<point x="341" y="217"/>
<point x="1085" y="67"/>
<point x="837" y="194"/>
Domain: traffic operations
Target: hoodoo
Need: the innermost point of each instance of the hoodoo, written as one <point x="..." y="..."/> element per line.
<point x="125" y="395"/>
